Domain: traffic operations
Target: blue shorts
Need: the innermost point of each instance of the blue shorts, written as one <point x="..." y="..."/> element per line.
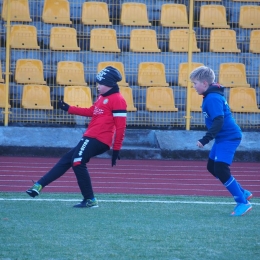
<point x="224" y="151"/>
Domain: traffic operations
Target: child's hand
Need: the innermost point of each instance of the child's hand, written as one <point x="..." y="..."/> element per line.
<point x="62" y="105"/>
<point x="199" y="144"/>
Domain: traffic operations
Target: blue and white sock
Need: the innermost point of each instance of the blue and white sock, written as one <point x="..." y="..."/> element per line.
<point x="240" y="187"/>
<point x="235" y="189"/>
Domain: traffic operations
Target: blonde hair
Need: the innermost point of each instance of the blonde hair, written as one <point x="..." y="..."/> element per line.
<point x="203" y="73"/>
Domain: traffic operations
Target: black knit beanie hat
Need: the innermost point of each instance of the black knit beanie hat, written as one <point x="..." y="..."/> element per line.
<point x="109" y="77"/>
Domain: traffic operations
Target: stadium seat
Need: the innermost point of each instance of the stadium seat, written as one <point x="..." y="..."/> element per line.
<point x="36" y="97"/>
<point x="143" y="40"/>
<point x="179" y="41"/>
<point x="223" y="40"/>
<point x="78" y="96"/>
<point x="134" y="14"/>
<point x="152" y="74"/>
<point x="183" y="77"/>
<point x="2" y="96"/>
<point x="63" y="38"/>
<point x="245" y="0"/>
<point x="233" y="75"/>
<point x="103" y="40"/>
<point x="1" y="75"/>
<point x="254" y="45"/>
<point x="160" y="99"/>
<point x="243" y="100"/>
<point x="213" y="16"/>
<point x="174" y="15"/>
<point x="56" y="11"/>
<point x="70" y="73"/>
<point x="19" y="12"/>
<point x="24" y="37"/>
<point x="196" y="101"/>
<point x="29" y="71"/>
<point x="208" y="0"/>
<point x="95" y="13"/>
<point x="249" y="16"/>
<point x="117" y="65"/>
<point x="127" y="93"/>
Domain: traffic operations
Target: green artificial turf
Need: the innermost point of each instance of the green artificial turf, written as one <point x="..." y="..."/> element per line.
<point x="126" y="227"/>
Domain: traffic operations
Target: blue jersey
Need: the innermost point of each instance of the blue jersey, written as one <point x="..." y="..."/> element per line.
<point x="214" y="104"/>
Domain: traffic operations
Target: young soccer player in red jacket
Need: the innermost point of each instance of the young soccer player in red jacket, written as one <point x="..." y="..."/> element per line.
<point x="106" y="129"/>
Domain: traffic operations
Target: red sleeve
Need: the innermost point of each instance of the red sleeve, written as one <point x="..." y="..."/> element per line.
<point x="120" y="123"/>
<point x="81" y="111"/>
<point x="119" y="115"/>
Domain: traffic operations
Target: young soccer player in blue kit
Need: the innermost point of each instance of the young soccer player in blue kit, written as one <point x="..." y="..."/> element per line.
<point x="227" y="134"/>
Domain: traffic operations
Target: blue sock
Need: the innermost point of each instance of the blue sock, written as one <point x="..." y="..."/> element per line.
<point x="239" y="185"/>
<point x="234" y="188"/>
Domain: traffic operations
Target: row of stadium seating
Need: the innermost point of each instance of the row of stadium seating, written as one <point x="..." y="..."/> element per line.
<point x="241" y="99"/>
<point x="141" y="40"/>
<point x="28" y="71"/>
<point x="131" y="61"/>
<point x="132" y="13"/>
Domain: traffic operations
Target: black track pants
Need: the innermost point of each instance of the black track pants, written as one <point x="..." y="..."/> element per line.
<point x="77" y="159"/>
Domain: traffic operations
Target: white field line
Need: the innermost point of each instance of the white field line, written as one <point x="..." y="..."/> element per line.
<point x="131" y="201"/>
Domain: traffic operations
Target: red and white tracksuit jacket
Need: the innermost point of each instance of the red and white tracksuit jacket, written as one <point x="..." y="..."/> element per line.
<point x="108" y="121"/>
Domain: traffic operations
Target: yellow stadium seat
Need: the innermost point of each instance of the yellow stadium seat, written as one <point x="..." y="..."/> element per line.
<point x="29" y="71"/>
<point x="1" y="75"/>
<point x="78" y="96"/>
<point x="103" y="40"/>
<point x="56" y="11"/>
<point x="36" y="97"/>
<point x="223" y="40"/>
<point x="254" y="45"/>
<point x="174" y="15"/>
<point x="183" y="77"/>
<point x="233" y="75"/>
<point x="19" y="12"/>
<point x="134" y="14"/>
<point x="213" y="16"/>
<point x="143" y="40"/>
<point x="70" y="73"/>
<point x="2" y="96"/>
<point x="152" y="74"/>
<point x="243" y="100"/>
<point x="118" y="65"/>
<point x="95" y="13"/>
<point x="63" y="38"/>
<point x="249" y="16"/>
<point x="196" y="101"/>
<point x="179" y="41"/>
<point x="127" y="93"/>
<point x="24" y="37"/>
<point x="160" y="99"/>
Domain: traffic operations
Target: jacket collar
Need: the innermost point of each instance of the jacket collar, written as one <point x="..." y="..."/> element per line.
<point x="214" y="88"/>
<point x="111" y="91"/>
